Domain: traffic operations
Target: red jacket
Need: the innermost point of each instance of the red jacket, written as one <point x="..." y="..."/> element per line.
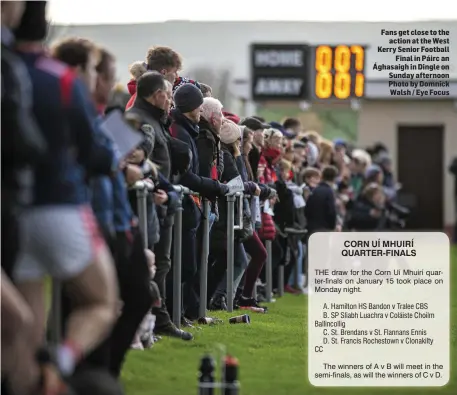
<point x="266" y="168"/>
<point x="268" y="230"/>
<point x="131" y="86"/>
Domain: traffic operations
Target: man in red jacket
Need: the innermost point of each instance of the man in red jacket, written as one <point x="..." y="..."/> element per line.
<point x="162" y="59"/>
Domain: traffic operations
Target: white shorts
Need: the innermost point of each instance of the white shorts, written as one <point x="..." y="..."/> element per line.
<point x="60" y="241"/>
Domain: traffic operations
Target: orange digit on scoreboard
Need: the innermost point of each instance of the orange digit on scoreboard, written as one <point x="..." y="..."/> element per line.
<point x="333" y="71"/>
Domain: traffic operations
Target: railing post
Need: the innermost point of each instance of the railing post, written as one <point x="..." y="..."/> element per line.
<point x="269" y="271"/>
<point x="297" y="267"/>
<point x="204" y="260"/>
<point x="177" y="246"/>
<point x="281" y="280"/>
<point x="230" y="249"/>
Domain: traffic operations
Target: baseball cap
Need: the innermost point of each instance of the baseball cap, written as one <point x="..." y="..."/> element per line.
<point x="254" y="124"/>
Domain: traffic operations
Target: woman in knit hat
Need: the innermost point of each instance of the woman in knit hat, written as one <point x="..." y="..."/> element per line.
<point x="272" y="153"/>
<point x="231" y="136"/>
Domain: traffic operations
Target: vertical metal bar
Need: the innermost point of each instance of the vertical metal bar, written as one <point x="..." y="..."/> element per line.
<point x="230" y="250"/>
<point x="141" y="197"/>
<point x="177" y="246"/>
<point x="281" y="280"/>
<point x="55" y="334"/>
<point x="240" y="210"/>
<point x="269" y="271"/>
<point x="297" y="266"/>
<point x="204" y="260"/>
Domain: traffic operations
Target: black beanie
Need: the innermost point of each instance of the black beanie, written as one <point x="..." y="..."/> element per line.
<point x="188" y="98"/>
<point x="33" y="26"/>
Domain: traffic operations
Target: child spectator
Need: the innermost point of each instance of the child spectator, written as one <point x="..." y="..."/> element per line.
<point x="311" y="177"/>
<point x="144" y="336"/>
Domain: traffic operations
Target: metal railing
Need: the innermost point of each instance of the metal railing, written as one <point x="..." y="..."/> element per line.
<point x="143" y="188"/>
<point x="177" y="255"/>
<point x="233" y="224"/>
<point x="231" y="227"/>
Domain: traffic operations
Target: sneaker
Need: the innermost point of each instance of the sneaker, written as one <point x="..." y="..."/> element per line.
<point x="291" y="290"/>
<point x="137" y="346"/>
<point x="171" y="330"/>
<point x="218" y="303"/>
<point x="251" y="304"/>
<point x="147" y="341"/>
<point x="186" y="323"/>
<point x="238" y="294"/>
<point x="261" y="298"/>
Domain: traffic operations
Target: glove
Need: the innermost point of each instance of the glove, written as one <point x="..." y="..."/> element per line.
<point x="223" y="189"/>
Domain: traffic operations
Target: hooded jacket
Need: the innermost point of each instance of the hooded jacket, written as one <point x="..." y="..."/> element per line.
<point x="210" y="157"/>
<point x="186" y="131"/>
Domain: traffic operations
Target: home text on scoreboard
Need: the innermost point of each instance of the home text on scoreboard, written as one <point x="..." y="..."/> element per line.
<point x="279" y="72"/>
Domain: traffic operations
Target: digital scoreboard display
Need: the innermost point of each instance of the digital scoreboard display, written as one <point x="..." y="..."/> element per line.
<point x="338" y="72"/>
<point x="279" y="72"/>
<point x="304" y="72"/>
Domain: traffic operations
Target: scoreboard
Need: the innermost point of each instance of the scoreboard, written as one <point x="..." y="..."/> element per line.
<point x="304" y="72"/>
<point x="338" y="72"/>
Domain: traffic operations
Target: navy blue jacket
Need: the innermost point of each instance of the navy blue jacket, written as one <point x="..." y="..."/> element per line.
<point x="109" y="194"/>
<point x="69" y="132"/>
<point x="186" y="131"/>
<point x="320" y="209"/>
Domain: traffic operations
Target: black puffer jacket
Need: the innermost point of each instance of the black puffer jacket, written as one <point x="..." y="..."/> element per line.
<point x="219" y="230"/>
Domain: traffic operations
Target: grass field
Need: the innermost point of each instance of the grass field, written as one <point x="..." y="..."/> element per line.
<point x="272" y="353"/>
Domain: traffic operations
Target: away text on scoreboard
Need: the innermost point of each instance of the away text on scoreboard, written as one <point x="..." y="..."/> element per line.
<point x="304" y="72"/>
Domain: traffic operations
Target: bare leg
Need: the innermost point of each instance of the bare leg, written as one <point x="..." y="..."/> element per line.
<point x="16" y="318"/>
<point x="26" y="376"/>
<point x="95" y="294"/>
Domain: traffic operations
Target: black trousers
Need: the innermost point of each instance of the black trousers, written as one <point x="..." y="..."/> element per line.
<point x="162" y="252"/>
<point x="284" y="253"/>
<point x="134" y="278"/>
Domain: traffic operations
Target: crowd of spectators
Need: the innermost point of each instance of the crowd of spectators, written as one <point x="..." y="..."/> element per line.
<point x="68" y="212"/>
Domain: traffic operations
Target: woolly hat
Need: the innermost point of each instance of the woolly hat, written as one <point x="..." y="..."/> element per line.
<point x="230" y="132"/>
<point x="137" y="69"/>
<point x="339" y="142"/>
<point x="188" y="98"/>
<point x="278" y="126"/>
<point x="372" y="170"/>
<point x="232" y="117"/>
<point x="180" y="81"/>
<point x="271" y="132"/>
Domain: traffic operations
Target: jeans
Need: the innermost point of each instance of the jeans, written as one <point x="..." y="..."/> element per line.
<point x="240" y="265"/>
<point x="211" y="220"/>
<point x="217" y="272"/>
<point x="297" y="273"/>
<point x="162" y="251"/>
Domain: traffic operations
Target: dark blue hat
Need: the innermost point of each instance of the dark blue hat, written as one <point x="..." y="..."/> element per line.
<point x="188" y="98"/>
<point x="277" y="125"/>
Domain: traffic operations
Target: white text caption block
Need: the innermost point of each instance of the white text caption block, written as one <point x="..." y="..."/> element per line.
<point x="378" y="311"/>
